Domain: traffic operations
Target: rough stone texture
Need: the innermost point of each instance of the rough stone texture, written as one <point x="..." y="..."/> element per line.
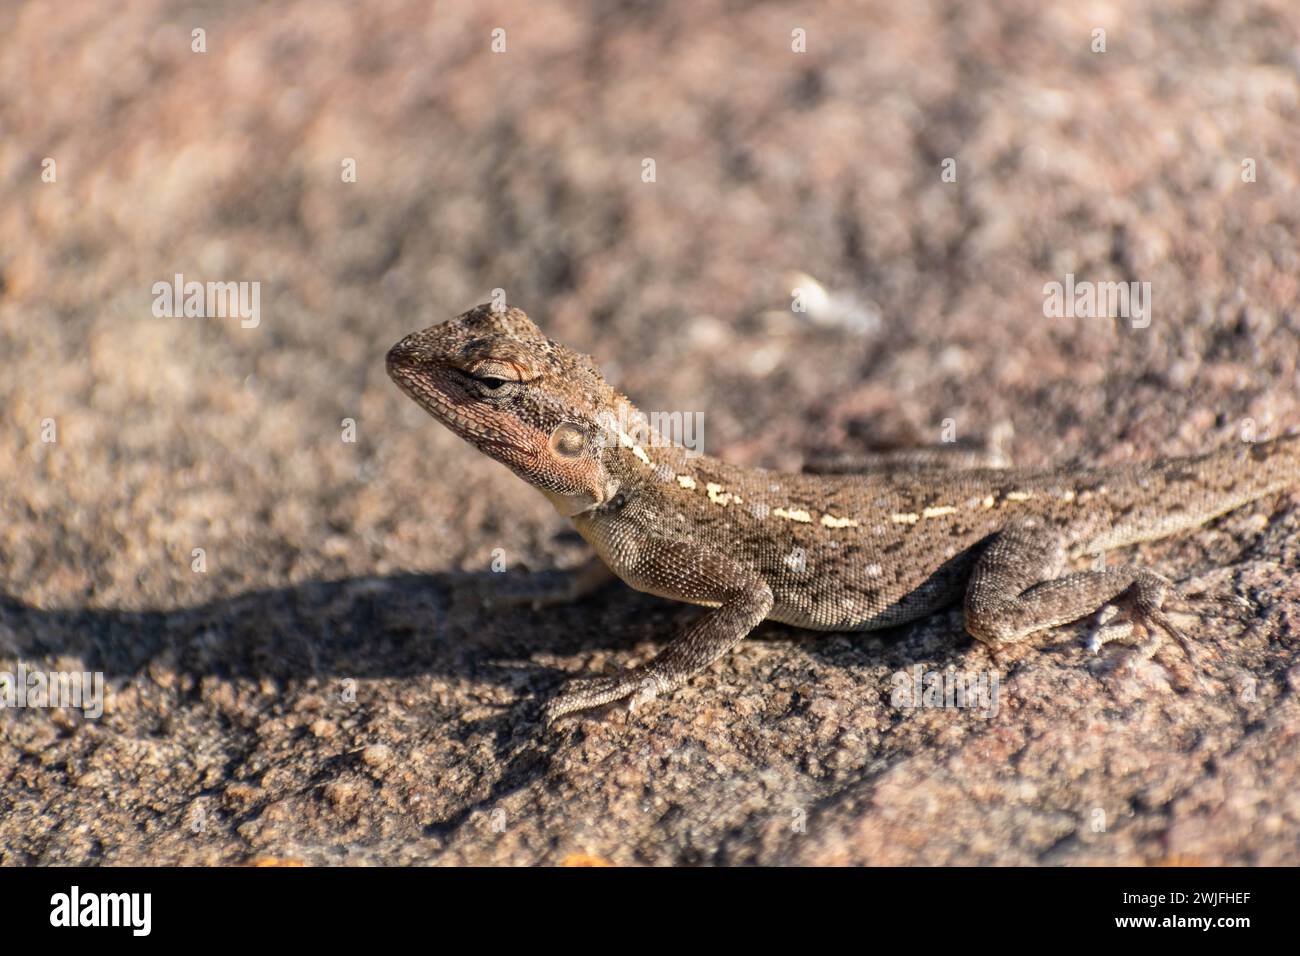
<point x="359" y="570"/>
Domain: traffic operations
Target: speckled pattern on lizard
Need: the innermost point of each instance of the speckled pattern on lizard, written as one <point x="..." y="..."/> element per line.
<point x="832" y="552"/>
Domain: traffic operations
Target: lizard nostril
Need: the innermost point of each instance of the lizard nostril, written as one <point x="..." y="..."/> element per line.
<point x="401" y="356"/>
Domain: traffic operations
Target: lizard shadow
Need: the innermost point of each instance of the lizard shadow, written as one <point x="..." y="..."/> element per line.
<point x="330" y="637"/>
<point x="404" y="626"/>
<point x="397" y="626"/>
<point x="414" y="625"/>
<point x="318" y="635"/>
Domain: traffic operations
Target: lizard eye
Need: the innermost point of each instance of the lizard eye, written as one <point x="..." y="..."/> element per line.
<point x="568" y="441"/>
<point x="494" y="387"/>
<point x="495" y="378"/>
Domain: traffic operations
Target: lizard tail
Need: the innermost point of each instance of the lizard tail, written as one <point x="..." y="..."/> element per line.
<point x="1236" y="475"/>
<point x="1183" y="493"/>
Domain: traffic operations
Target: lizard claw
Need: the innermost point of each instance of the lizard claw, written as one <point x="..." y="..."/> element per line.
<point x="1157" y="617"/>
<point x="646" y="691"/>
<point x="1141" y="609"/>
<point x="1104" y="631"/>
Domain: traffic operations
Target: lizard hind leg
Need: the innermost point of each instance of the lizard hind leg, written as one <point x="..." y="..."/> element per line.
<point x="1015" y="590"/>
<point x="1140" y="607"/>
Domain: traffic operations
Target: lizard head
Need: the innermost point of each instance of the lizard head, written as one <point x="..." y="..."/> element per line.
<point x="497" y="381"/>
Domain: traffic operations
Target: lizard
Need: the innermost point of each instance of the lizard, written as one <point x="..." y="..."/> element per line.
<point x="830" y="552"/>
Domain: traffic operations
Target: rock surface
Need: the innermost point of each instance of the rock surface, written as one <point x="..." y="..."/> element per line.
<point x="330" y="687"/>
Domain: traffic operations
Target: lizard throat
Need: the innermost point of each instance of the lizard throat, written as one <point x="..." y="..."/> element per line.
<point x="569" y="505"/>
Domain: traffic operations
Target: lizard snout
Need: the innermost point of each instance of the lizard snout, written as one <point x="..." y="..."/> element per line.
<point x="402" y="356"/>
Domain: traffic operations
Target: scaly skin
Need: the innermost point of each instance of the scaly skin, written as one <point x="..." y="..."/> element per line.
<point x="838" y="552"/>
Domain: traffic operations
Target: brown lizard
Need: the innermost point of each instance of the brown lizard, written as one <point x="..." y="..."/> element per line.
<point x="831" y="552"/>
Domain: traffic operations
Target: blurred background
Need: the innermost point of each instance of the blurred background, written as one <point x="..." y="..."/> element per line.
<point x="504" y="145"/>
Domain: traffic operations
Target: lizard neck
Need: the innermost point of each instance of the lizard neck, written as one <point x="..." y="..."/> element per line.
<point x="641" y="451"/>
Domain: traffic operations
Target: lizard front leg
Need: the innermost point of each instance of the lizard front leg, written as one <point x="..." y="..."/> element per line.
<point x="1015" y="589"/>
<point x="683" y="571"/>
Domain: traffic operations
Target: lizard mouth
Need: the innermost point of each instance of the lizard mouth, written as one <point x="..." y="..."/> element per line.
<point x="405" y="364"/>
<point x="426" y="393"/>
<point x="414" y="382"/>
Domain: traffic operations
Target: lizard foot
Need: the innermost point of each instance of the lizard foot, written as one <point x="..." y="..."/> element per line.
<point x="588" y="692"/>
<point x="1141" y="609"/>
<point x="1106" y="628"/>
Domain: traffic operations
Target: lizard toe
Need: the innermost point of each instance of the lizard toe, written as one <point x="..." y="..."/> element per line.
<point x="1111" y="625"/>
<point x="587" y="692"/>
